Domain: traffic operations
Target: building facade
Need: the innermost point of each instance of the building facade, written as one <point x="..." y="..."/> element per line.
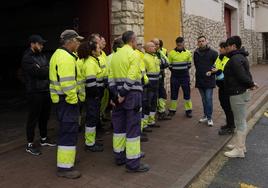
<point x="216" y="19"/>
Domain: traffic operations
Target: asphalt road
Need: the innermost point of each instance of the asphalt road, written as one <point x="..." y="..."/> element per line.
<point x="253" y="170"/>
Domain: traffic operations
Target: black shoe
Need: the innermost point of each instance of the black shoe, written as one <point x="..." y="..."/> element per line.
<point x="144" y="139"/>
<point x="147" y="130"/>
<point x="142" y="154"/>
<point x="94" y="148"/>
<point x="32" y="149"/>
<point x="227" y="131"/>
<point x="47" y="142"/>
<point x="154" y="125"/>
<point x="120" y="162"/>
<point x="224" y="127"/>
<point x="171" y="113"/>
<point x="163" y="116"/>
<point x="99" y="144"/>
<point x="144" y="134"/>
<point x="142" y="168"/>
<point x="72" y="174"/>
<point x="188" y="114"/>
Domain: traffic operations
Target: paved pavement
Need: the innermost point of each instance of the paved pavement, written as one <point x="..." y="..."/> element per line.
<point x="176" y="152"/>
<point x="253" y="169"/>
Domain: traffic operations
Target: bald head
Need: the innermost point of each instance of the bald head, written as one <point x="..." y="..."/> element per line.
<point x="150" y="47"/>
<point x="156" y="41"/>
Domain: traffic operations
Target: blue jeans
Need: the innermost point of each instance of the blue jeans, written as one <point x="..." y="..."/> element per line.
<point x="206" y="95"/>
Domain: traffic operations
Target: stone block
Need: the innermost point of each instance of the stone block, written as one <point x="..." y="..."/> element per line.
<point x="116" y="5"/>
<point x="127" y="5"/>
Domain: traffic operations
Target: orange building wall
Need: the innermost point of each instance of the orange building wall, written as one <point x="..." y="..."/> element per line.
<point x="162" y="19"/>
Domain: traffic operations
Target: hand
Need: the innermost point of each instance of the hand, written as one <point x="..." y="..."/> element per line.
<point x="256" y="86"/>
<point x="112" y="103"/>
<point x="214" y="70"/>
<point x="208" y="73"/>
<point x="120" y="99"/>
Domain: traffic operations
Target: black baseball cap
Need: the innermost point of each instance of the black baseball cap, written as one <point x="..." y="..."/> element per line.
<point x="36" y="38"/>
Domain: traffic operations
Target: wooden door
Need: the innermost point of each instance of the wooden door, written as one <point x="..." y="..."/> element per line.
<point x="227" y="21"/>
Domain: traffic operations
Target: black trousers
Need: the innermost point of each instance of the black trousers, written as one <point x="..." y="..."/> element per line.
<point x="226" y="106"/>
<point x="161" y="89"/>
<point x="39" y="110"/>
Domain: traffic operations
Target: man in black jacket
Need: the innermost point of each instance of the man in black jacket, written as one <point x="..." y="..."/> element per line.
<point x="204" y="59"/>
<point x="35" y="67"/>
<point x="238" y="81"/>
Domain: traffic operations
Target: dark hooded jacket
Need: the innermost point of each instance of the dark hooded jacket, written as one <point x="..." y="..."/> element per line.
<point x="35" y="70"/>
<point x="204" y="60"/>
<point x="237" y="77"/>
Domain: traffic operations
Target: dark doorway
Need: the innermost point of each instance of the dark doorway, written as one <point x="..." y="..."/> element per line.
<point x="227" y="21"/>
<point x="265" y="46"/>
<point x="49" y="18"/>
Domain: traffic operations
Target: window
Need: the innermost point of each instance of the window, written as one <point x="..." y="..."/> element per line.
<point x="248" y="8"/>
<point x="252" y="12"/>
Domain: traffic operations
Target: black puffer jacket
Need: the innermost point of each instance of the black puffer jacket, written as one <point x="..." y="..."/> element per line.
<point x="204" y="60"/>
<point x="36" y="71"/>
<point x="237" y="78"/>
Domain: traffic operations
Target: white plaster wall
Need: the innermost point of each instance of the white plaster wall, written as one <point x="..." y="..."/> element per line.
<point x="261" y="19"/>
<point x="211" y="9"/>
<point x="232" y="3"/>
<point x="249" y="21"/>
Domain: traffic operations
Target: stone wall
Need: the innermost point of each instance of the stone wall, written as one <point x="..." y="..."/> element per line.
<point x="195" y="26"/>
<point x="127" y="15"/>
<point x="251" y="40"/>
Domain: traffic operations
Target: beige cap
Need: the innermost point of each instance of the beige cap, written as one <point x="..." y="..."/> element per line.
<point x="70" y="34"/>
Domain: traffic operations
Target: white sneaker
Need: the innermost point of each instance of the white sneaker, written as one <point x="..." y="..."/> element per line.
<point x="235" y="153"/>
<point x="232" y="146"/>
<point x="210" y="123"/>
<point x="203" y="120"/>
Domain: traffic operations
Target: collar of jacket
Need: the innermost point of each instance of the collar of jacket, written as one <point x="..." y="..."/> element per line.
<point x="31" y="52"/>
<point x="241" y="51"/>
<point x="221" y="56"/>
<point x="152" y="54"/>
<point x="180" y="50"/>
<point x="206" y="48"/>
<point x="69" y="52"/>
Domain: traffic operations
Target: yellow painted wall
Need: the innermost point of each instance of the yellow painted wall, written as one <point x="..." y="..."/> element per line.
<point x="162" y="19"/>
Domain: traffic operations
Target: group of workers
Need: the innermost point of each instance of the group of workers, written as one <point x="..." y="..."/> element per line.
<point x="131" y="80"/>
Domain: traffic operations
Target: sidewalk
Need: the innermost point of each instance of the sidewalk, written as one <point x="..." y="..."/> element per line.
<point x="176" y="153"/>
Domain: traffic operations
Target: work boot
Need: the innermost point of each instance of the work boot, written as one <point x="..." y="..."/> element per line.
<point x="142" y="168"/>
<point x="144" y="134"/>
<point x="71" y="174"/>
<point x="189" y="114"/>
<point x="154" y="126"/>
<point x="171" y="113"/>
<point x="224" y="127"/>
<point x="98" y="143"/>
<point x="47" y="142"/>
<point x="32" y="149"/>
<point x="147" y="130"/>
<point x="120" y="162"/>
<point x="163" y="116"/>
<point x="142" y="154"/>
<point x="227" y="131"/>
<point x="144" y="139"/>
<point x="238" y="150"/>
<point x="94" y="148"/>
